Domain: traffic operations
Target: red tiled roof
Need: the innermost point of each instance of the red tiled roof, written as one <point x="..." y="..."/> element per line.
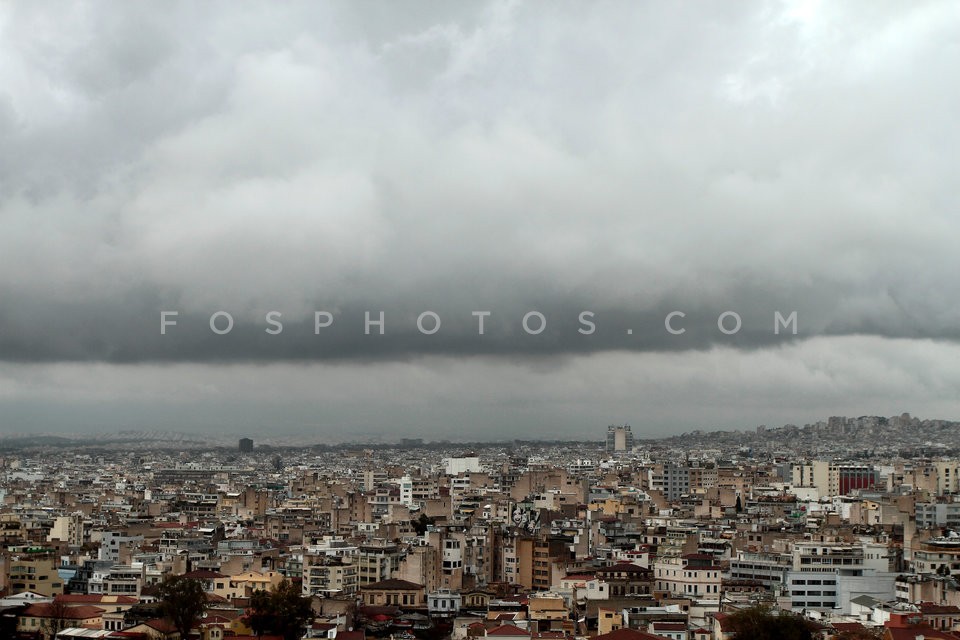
<point x="392" y="584"/>
<point x="911" y="633"/>
<point x="624" y="567"/>
<point x="203" y="574"/>
<point x="46" y="610"/>
<point x="508" y="630"/>
<point x="724" y="621"/>
<point x="90" y="598"/>
<point x="520" y="599"/>
<point x="161" y="625"/>
<point x="929" y="608"/>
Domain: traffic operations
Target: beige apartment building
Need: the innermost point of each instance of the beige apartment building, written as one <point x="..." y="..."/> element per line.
<point x="32" y="571"/>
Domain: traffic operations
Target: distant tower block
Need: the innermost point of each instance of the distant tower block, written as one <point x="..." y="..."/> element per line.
<point x="619" y="438"/>
<point x="246" y="445"/>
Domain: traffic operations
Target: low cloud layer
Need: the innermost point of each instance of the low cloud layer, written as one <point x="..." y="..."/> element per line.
<point x="483" y="398"/>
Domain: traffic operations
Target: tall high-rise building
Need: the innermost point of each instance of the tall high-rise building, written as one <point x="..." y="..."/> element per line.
<point x="246" y="445"/>
<point x="619" y="438"/>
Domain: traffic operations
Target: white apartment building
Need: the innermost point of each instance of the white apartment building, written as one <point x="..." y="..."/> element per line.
<point x="828" y="575"/>
<point x="461" y="465"/>
<point x="692" y="575"/>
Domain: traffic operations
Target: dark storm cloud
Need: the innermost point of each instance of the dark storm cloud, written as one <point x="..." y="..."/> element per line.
<point x="626" y="160"/>
<point x="83" y="332"/>
<point x="128" y="330"/>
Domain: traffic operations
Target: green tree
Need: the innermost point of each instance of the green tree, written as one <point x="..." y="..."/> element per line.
<point x="281" y="611"/>
<point x="182" y="602"/>
<point x="420" y="524"/>
<point x="758" y="623"/>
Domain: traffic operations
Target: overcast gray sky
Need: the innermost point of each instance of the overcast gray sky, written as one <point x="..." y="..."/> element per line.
<point x="628" y="159"/>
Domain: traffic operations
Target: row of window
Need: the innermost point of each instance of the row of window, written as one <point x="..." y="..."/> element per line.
<point x="800" y="604"/>
<point x="393" y="598"/>
<point x="691" y="588"/>
<point x="689" y="574"/>
<point x="443" y="604"/>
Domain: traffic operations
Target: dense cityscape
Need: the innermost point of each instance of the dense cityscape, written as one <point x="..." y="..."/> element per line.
<point x="618" y="538"/>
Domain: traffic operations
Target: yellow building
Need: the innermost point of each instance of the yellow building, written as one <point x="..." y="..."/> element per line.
<point x="399" y="593"/>
<point x="608" y="620"/>
<point x="36" y="572"/>
<point x="548" y="612"/>
<point x="243" y="584"/>
<point x="47" y="618"/>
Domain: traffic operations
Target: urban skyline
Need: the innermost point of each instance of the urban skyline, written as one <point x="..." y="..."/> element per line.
<point x="847" y="526"/>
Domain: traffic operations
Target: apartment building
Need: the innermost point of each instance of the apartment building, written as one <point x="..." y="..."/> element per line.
<point x="327" y="576"/>
<point x="693" y="575"/>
